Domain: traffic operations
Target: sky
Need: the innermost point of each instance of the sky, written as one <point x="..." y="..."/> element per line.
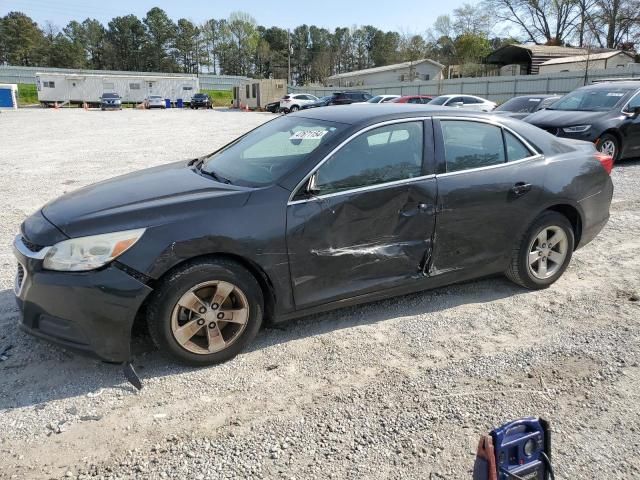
<point x="407" y="16"/>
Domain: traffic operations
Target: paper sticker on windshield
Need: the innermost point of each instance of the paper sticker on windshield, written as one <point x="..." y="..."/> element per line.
<point x="308" y="135"/>
<point x="534" y="99"/>
<point x="614" y="94"/>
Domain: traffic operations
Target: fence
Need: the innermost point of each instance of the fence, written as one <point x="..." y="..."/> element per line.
<point x="10" y="74"/>
<point x="497" y="89"/>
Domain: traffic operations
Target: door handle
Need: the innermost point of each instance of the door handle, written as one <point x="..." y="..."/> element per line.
<point x="419" y="208"/>
<point x="520" y="189"/>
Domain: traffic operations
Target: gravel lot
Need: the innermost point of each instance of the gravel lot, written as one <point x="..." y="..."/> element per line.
<point x="396" y="389"/>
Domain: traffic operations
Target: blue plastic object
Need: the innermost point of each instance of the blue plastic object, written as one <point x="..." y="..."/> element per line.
<point x="519" y="446"/>
<point x="167" y="102"/>
<point x="179" y="103"/>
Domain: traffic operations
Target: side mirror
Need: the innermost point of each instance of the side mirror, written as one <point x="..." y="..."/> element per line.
<point x="312" y="185"/>
<point x="635" y="111"/>
<point x="456" y="104"/>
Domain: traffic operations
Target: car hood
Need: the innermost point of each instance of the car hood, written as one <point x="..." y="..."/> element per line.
<point x="562" y="118"/>
<point x="140" y="199"/>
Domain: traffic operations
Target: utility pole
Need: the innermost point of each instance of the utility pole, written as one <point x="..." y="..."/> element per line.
<point x="289" y="56"/>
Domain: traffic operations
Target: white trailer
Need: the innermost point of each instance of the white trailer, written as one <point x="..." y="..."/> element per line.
<point x="79" y="88"/>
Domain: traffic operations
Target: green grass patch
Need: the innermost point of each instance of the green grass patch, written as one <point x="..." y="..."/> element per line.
<point x="220" y="98"/>
<point x="27" y="94"/>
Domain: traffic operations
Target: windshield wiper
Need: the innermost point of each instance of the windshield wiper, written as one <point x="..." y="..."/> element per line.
<point x="215" y="176"/>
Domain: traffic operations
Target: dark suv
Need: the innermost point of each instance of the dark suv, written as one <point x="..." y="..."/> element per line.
<point x="345" y="98"/>
<point x="606" y="114"/>
<point x="110" y="101"/>
<point x="200" y="100"/>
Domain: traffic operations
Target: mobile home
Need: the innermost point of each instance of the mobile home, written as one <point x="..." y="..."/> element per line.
<point x="257" y="93"/>
<point x="79" y="88"/>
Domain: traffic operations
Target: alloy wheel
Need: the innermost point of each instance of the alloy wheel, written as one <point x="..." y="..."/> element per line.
<point x="608" y="147"/>
<point x="210" y="317"/>
<point x="547" y="252"/>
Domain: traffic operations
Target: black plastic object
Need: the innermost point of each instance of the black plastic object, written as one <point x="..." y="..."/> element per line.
<point x="131" y="375"/>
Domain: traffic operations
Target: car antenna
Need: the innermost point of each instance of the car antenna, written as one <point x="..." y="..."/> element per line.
<point x="131" y="375"/>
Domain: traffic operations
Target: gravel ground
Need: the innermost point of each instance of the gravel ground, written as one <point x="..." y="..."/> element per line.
<point x="396" y="389"/>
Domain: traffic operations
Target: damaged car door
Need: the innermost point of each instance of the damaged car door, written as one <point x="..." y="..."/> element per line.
<point x="363" y="218"/>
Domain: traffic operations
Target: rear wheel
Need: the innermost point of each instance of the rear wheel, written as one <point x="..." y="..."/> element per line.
<point x="205" y="313"/>
<point x="543" y="253"/>
<point x="609" y="145"/>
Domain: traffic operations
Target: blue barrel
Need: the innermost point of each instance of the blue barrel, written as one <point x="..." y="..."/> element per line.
<point x="179" y="103"/>
<point x="167" y="102"/>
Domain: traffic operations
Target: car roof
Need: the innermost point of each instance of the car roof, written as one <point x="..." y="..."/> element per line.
<point x="630" y="85"/>
<point x="366" y="113"/>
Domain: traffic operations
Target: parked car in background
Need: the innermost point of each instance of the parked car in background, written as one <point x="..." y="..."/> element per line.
<point x="382" y="98"/>
<point x="468" y="102"/>
<point x="273" y="107"/>
<point x="607" y="114"/>
<point x="520" y="107"/>
<point x="200" y="100"/>
<point x="421" y="99"/>
<point x="154" y="101"/>
<point x="349" y="97"/>
<point x="110" y="101"/>
<point x="309" y="212"/>
<point x="322" y="102"/>
<point x="292" y="102"/>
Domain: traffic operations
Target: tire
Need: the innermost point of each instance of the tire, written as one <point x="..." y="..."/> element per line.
<point x="552" y="262"/>
<point x="294" y="109"/>
<point x="165" y="316"/>
<point x="608" y="142"/>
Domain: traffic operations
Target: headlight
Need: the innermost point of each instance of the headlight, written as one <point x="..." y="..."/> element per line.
<point x="88" y="253"/>
<point x="577" y="128"/>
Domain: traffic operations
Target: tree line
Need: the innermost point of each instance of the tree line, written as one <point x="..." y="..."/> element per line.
<point x="239" y="46"/>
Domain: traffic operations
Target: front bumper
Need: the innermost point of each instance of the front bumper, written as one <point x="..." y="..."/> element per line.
<point x="111" y="106"/>
<point x="92" y="312"/>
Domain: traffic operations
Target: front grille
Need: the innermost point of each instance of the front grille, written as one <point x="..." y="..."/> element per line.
<point x="31" y="246"/>
<point x="20" y="274"/>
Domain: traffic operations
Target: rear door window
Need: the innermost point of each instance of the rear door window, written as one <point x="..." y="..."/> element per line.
<point x="469" y="144"/>
<point x="516" y="150"/>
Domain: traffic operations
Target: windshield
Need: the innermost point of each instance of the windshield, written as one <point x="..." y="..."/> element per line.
<point x="520" y="105"/>
<point x="110" y="95"/>
<point x="439" y="100"/>
<point x="376" y="99"/>
<point x="270" y="151"/>
<point x="591" y="99"/>
<point x="155" y="97"/>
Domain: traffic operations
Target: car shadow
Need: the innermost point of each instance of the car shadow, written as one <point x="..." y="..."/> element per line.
<point x="36" y="371"/>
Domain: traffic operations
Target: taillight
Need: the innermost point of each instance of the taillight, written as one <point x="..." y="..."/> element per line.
<point x="605" y="160"/>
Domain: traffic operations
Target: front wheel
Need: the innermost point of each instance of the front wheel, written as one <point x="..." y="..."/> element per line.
<point x="609" y="145"/>
<point x="294" y="109"/>
<point x="206" y="312"/>
<point x="543" y="253"/>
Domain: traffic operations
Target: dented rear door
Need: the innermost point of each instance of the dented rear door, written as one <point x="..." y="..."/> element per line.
<point x="358" y="240"/>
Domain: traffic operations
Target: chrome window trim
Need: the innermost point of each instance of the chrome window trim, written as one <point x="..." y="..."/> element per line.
<point x="490" y="167"/>
<point x="342" y="144"/>
<point x="21" y="248"/>
<point x="362" y="189"/>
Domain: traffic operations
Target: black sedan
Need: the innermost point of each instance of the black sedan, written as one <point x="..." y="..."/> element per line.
<point x="522" y="106"/>
<point x="312" y="211"/>
<point x="607" y="114"/>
